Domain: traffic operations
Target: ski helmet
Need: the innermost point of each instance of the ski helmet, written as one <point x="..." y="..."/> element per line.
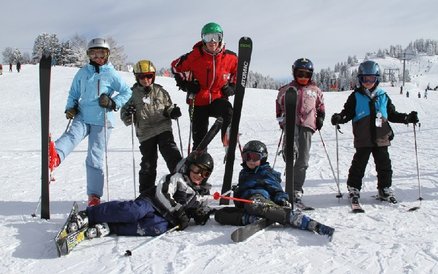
<point x="99" y="43"/>
<point x="203" y="160"/>
<point x="258" y="147"/>
<point x="144" y="66"/>
<point x="211" y="27"/>
<point x="302" y="63"/>
<point x="368" y="68"/>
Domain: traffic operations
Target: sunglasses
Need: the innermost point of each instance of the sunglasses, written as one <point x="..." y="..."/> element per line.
<point x="200" y="171"/>
<point x="251" y="156"/>
<point x="97" y="53"/>
<point x="303" y="74"/>
<point x="212" y="37"/>
<point x="368" y="79"/>
<point x="142" y="76"/>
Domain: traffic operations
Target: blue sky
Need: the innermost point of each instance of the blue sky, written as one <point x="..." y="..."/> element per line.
<point x="325" y="31"/>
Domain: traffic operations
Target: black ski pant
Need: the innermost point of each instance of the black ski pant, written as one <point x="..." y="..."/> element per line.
<point x="148" y="166"/>
<point x="359" y="164"/>
<point x="218" y="108"/>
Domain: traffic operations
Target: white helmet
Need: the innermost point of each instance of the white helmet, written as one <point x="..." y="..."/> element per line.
<point x="98" y="43"/>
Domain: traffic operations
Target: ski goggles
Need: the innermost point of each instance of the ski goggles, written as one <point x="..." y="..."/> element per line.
<point x="303" y="74"/>
<point x="368" y="79"/>
<point x="200" y="171"/>
<point x="212" y="37"/>
<point x="251" y="156"/>
<point x="143" y="76"/>
<point x="97" y="53"/>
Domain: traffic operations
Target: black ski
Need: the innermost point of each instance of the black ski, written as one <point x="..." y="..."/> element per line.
<point x="303" y="207"/>
<point x="214" y="129"/>
<point x="290" y="104"/>
<point x="244" y="58"/>
<point x="45" y="70"/>
<point x="244" y="232"/>
<point x="356" y="207"/>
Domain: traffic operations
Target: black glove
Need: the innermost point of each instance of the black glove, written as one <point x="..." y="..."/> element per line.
<point x="201" y="215"/>
<point x="319" y="122"/>
<point x="412" y="118"/>
<point x="193" y="86"/>
<point x="71" y="113"/>
<point x="284" y="203"/>
<point x="180" y="82"/>
<point x="106" y="102"/>
<point x="229" y="90"/>
<point x="130" y="110"/>
<point x="175" y="113"/>
<point x="336" y="119"/>
<point x="181" y="218"/>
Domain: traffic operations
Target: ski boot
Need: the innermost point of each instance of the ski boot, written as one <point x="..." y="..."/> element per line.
<point x="77" y="222"/>
<point x="93" y="200"/>
<point x="98" y="230"/>
<point x="386" y="194"/>
<point x="325" y="230"/>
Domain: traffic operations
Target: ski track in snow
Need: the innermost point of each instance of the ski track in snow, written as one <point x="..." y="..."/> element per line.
<point x="386" y="239"/>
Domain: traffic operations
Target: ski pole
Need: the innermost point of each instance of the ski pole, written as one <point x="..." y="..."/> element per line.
<point x="128" y="252"/>
<point x="418" y="171"/>
<point x="337" y="129"/>
<point x="339" y="195"/>
<point x="133" y="156"/>
<point x="278" y="147"/>
<point x="180" y="139"/>
<point x="191" y="109"/>
<point x="218" y="196"/>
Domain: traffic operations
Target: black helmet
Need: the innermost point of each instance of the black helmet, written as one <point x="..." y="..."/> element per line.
<point x="256" y="146"/>
<point x="201" y="159"/>
<point x="302" y="63"/>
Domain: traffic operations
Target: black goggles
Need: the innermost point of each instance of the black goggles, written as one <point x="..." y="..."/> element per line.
<point x="200" y="171"/>
<point x="251" y="156"/>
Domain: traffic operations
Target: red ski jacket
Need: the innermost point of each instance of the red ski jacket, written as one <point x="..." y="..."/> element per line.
<point x="213" y="71"/>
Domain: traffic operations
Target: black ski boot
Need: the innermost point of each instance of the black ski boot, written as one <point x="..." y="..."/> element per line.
<point x="77" y="221"/>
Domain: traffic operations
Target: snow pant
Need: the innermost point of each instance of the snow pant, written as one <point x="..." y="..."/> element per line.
<point x="95" y="154"/>
<point x="274" y="213"/>
<point x="148" y="166"/>
<point x="129" y="218"/>
<point x="218" y="108"/>
<point x="359" y="164"/>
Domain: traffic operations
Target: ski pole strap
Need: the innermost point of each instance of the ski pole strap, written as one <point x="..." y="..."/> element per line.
<point x="218" y="196"/>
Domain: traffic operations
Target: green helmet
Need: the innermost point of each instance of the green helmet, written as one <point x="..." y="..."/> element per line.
<point x="211" y="28"/>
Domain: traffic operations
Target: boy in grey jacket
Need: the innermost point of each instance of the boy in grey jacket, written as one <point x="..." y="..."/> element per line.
<point x="151" y="110"/>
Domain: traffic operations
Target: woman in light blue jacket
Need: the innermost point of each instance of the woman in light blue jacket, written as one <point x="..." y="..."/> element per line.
<point x="90" y="103"/>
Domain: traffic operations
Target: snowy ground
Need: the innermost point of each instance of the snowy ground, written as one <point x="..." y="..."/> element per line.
<point x="386" y="239"/>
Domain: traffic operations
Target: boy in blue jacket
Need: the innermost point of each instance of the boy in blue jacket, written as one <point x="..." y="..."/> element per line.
<point x="262" y="184"/>
<point x="370" y="109"/>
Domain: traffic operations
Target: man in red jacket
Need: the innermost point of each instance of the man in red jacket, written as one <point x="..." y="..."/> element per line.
<point x="208" y="75"/>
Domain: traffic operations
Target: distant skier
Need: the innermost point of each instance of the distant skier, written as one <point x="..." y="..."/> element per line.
<point x="260" y="183"/>
<point x="18" y="66"/>
<point x="370" y="109"/>
<point x="152" y="109"/>
<point x="1" y="69"/>
<point x="425" y="94"/>
<point x="178" y="198"/>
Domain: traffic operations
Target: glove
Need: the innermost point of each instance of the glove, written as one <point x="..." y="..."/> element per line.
<point x="71" y="113"/>
<point x="193" y="86"/>
<point x="229" y="90"/>
<point x="180" y="82"/>
<point x="412" y="118"/>
<point x="175" y="113"/>
<point x="280" y="121"/>
<point x="201" y="215"/>
<point x="319" y="122"/>
<point x="182" y="220"/>
<point x="284" y="203"/>
<point x="106" y="102"/>
<point x="336" y="119"/>
<point x="130" y="110"/>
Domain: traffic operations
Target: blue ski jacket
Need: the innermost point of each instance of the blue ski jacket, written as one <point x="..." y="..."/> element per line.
<point x="88" y="85"/>
<point x="262" y="180"/>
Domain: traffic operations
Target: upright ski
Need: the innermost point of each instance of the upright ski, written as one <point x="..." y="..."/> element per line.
<point x="244" y="232"/>
<point x="244" y="58"/>
<point x="45" y="71"/>
<point x="290" y="104"/>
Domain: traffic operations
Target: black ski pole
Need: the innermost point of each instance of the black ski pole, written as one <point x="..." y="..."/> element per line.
<point x="278" y="147"/>
<point x="180" y="139"/>
<point x="133" y="155"/>
<point x="418" y="172"/>
<point x="128" y="252"/>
